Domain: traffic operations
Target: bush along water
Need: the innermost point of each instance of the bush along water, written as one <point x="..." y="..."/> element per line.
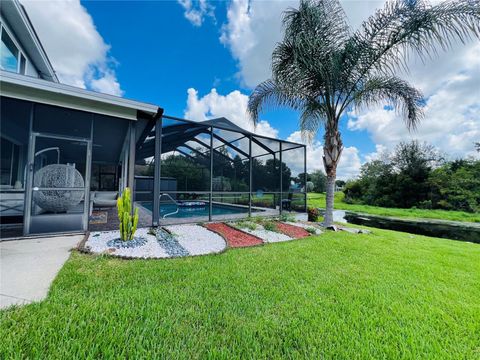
<point x="128" y="221"/>
<point x="313" y="214"/>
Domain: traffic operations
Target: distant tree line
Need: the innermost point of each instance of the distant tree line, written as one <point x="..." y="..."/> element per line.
<point x="415" y="175"/>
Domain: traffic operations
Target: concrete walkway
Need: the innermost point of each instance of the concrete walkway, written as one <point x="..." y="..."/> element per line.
<point x="28" y="267"/>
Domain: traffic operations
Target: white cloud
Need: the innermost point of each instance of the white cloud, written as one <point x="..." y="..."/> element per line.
<point x="77" y="51"/>
<point x="197" y="10"/>
<point x="450" y="82"/>
<point x="348" y="168"/>
<point x="452" y="111"/>
<point x="233" y="106"/>
<point x="254" y="27"/>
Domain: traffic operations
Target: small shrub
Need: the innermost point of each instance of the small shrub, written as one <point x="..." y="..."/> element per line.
<point x="128" y="221"/>
<point x="287" y="218"/>
<point x="313" y="214"/>
<point x="311" y="230"/>
<point x="246" y="225"/>
<point x="270" y="225"/>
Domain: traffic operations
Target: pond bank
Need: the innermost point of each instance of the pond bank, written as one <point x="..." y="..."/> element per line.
<point x="454" y="230"/>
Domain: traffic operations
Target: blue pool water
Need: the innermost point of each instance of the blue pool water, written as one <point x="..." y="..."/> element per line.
<point x="185" y="212"/>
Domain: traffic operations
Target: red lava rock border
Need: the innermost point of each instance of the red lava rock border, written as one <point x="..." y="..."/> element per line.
<point x="294" y="232"/>
<point x="234" y="237"/>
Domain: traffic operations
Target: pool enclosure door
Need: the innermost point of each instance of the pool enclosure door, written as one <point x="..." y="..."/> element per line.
<point x="58" y="178"/>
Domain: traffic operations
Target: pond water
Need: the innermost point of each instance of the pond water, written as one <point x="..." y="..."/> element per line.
<point x="196" y="211"/>
<point x="430" y="227"/>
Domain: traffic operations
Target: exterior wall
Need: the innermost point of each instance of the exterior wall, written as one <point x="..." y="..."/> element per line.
<point x="30" y="69"/>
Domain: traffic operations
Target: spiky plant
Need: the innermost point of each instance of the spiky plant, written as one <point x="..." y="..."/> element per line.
<point x="128" y="221"/>
<point x="323" y="69"/>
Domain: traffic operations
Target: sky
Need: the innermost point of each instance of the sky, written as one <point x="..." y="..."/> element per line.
<point x="201" y="59"/>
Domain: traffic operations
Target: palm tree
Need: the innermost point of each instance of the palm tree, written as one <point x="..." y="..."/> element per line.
<point x="323" y="69"/>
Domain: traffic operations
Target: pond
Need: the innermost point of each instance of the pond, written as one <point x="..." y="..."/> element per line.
<point x="454" y="230"/>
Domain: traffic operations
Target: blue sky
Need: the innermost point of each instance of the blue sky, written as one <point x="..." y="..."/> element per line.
<point x="155" y="51"/>
<point x="162" y="54"/>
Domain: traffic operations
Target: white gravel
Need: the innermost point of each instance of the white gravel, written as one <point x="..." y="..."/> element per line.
<point x="305" y="226"/>
<point x="97" y="243"/>
<point x="197" y="240"/>
<point x="265" y="235"/>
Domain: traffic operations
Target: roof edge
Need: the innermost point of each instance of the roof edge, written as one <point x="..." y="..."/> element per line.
<point x="67" y="90"/>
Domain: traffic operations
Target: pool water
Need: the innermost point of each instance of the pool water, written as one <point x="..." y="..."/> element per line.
<point x="185" y="212"/>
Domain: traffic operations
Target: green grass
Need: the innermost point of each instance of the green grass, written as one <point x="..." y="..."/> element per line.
<point x="337" y="295"/>
<point x="318" y="200"/>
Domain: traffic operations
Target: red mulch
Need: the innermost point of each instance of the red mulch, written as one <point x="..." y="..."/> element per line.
<point x="234" y="237"/>
<point x="292" y="231"/>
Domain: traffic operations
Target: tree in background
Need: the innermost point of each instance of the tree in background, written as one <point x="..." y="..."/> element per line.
<point x="319" y="180"/>
<point x="322" y="69"/>
<point x="456" y="186"/>
<point x="416" y="175"/>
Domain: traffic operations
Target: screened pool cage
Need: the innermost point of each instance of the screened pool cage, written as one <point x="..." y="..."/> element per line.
<point x="189" y="171"/>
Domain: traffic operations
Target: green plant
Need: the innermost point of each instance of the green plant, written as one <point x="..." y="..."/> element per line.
<point x="313" y="214"/>
<point x="287" y="218"/>
<point x="245" y="224"/>
<point x="270" y="225"/>
<point x="128" y="221"/>
<point x="257" y="219"/>
<point x="311" y="230"/>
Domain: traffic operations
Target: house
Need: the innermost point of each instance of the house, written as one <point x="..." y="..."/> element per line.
<point x="66" y="153"/>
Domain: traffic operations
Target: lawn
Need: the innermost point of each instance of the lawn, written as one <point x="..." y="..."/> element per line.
<point x="318" y="200"/>
<point x="337" y="295"/>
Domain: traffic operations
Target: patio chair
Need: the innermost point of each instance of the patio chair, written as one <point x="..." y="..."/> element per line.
<point x="105" y="199"/>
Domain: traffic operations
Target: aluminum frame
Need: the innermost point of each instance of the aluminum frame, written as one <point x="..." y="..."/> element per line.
<point x="209" y="129"/>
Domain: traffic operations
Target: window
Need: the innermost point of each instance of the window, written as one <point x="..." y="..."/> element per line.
<point x="9" y="53"/>
<point x="23" y="63"/>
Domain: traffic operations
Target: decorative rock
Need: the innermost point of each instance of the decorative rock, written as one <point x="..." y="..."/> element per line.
<point x="97" y="243"/>
<point x="119" y="243"/>
<point x="170" y="243"/>
<point x="197" y="240"/>
<point x="265" y="235"/>
<point x="306" y="226"/>
<point x="295" y="232"/>
<point x="349" y="230"/>
<point x="234" y="237"/>
<point x="332" y="227"/>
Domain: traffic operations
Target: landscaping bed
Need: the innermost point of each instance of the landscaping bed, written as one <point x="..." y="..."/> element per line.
<point x="293" y="231"/>
<point x="167" y="242"/>
<point x="234" y="237"/>
<point x="267" y="233"/>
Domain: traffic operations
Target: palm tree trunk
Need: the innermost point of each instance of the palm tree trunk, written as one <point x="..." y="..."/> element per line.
<point x="332" y="150"/>
<point x="328" y="218"/>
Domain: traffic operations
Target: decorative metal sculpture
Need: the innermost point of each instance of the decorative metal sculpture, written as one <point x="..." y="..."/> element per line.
<point x="58" y="176"/>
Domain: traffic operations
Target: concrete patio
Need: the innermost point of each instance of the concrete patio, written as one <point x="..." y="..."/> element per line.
<point x="28" y="267"/>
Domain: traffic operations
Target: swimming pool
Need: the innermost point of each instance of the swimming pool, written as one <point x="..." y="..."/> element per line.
<point x="186" y="212"/>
